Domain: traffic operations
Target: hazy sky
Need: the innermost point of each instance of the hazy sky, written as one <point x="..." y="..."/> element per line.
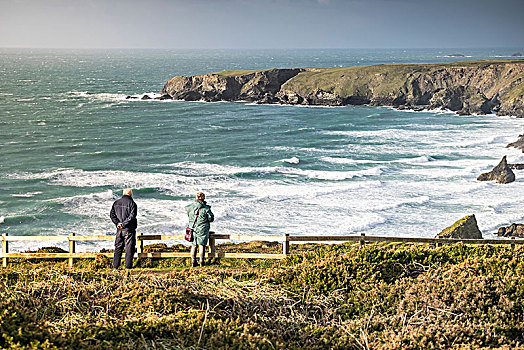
<point x="261" y="23"/>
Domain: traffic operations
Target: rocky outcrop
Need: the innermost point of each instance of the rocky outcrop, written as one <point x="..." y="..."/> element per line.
<point x="250" y="86"/>
<point x="513" y="230"/>
<point x="465" y="87"/>
<point x="465" y="228"/>
<point x="516" y="166"/>
<point x="502" y="173"/>
<point x="163" y="97"/>
<point x="519" y="144"/>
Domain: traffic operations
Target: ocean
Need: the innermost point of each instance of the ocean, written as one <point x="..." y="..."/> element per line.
<point x="70" y="142"/>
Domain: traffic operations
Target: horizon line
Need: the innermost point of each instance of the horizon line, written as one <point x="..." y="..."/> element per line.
<point x="261" y="48"/>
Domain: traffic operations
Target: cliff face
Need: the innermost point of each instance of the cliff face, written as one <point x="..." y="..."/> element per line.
<point x="466" y="87"/>
<point x="250" y="86"/>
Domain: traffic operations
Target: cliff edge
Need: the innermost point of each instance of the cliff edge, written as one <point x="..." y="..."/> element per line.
<point x="466" y="87"/>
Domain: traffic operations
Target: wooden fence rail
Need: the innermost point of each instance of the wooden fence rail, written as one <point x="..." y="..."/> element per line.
<point x="212" y="253"/>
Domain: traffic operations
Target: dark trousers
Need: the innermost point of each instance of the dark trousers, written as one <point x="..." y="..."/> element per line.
<point x="127" y="239"/>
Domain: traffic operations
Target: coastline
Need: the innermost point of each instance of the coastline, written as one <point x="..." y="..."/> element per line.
<point x="465" y="87"/>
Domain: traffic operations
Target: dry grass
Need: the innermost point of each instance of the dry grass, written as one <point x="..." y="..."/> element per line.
<point x="342" y="296"/>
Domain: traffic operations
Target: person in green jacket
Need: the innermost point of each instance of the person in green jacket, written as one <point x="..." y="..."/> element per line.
<point x="200" y="215"/>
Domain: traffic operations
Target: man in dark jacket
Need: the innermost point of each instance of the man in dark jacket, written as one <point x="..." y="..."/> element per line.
<point x="123" y="215"/>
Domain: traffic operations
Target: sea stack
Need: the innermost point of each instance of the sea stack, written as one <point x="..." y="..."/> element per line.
<point x="465" y="228"/>
<point x="502" y="173"/>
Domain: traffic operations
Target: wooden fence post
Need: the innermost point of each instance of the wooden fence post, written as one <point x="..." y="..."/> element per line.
<point x="212" y="243"/>
<point x="140" y="245"/>
<point x="72" y="249"/>
<point x="285" y="244"/>
<point x="362" y="239"/>
<point x="5" y="249"/>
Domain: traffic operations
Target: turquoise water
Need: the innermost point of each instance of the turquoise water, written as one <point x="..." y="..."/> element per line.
<point x="70" y="142"/>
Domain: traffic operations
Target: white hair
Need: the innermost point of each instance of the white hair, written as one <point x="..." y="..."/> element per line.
<point x="128" y="192"/>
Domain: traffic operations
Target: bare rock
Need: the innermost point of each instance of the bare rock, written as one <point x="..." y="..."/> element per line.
<point x="519" y="144"/>
<point x="502" y="173"/>
<point x="465" y="228"/>
<point x="513" y="230"/>
<point x="516" y="166"/>
<point x="145" y="97"/>
<point x="164" y="97"/>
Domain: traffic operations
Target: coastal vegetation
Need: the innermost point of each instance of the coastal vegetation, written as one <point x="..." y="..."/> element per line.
<point x="342" y="296"/>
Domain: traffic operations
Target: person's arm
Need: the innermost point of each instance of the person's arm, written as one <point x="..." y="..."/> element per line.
<point x="112" y="215"/>
<point x="131" y="216"/>
<point x="210" y="216"/>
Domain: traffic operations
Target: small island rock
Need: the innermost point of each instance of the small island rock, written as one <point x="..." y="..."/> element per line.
<point x="145" y="97"/>
<point x="519" y="144"/>
<point x="517" y="54"/>
<point x="513" y="230"/>
<point x="465" y="228"/>
<point x="502" y="173"/>
<point x="163" y="97"/>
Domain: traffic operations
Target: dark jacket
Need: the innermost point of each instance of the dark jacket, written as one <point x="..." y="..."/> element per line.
<point x="124" y="211"/>
<point x="201" y="224"/>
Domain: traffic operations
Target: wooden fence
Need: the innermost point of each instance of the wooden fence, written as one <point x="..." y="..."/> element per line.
<point x="211" y="252"/>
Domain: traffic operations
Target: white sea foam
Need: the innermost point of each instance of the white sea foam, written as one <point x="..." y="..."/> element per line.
<point x="2" y="219"/>
<point x="25" y="195"/>
<point x="114" y="97"/>
<point x="416" y="192"/>
<point x="334" y="175"/>
<point x="292" y="160"/>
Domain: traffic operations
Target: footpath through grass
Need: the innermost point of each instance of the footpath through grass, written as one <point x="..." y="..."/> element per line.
<point x="381" y="296"/>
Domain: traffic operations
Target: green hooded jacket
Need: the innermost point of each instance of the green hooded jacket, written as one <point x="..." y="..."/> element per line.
<point x="201" y="227"/>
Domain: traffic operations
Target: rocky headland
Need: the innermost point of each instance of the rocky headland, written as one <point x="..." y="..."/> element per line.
<point x="468" y="87"/>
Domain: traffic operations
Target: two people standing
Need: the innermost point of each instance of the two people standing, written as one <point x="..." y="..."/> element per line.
<point x="123" y="214"/>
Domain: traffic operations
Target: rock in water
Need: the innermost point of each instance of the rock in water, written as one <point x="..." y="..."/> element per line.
<point x="465" y="228"/>
<point x="517" y="54"/>
<point x="517" y="166"/>
<point x="519" y="144"/>
<point x="513" y="230"/>
<point x="502" y="173"/>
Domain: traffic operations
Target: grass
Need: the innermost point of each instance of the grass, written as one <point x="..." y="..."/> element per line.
<point x="378" y="80"/>
<point x="385" y="80"/>
<point x="233" y="73"/>
<point x="380" y="296"/>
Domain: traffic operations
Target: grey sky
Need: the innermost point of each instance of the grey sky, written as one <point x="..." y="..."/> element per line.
<point x="261" y="23"/>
